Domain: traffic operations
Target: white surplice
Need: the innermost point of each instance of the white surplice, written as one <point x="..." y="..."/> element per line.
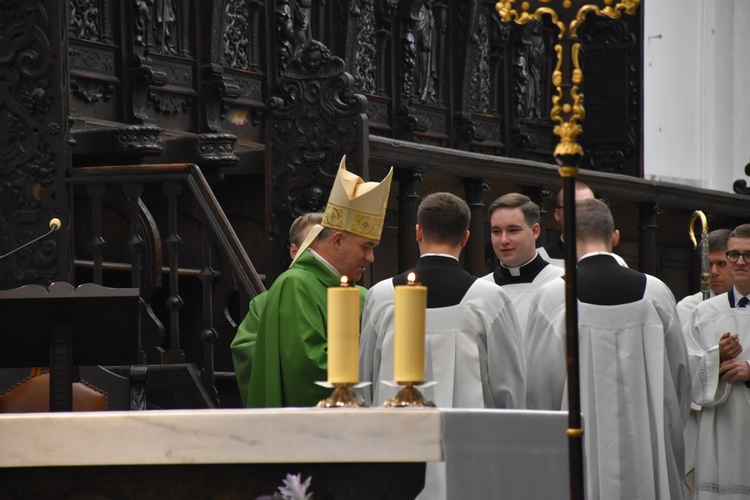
<point x="685" y="308"/>
<point x="687" y="305"/>
<point x="521" y="294"/>
<point x="473" y="350"/>
<point x="722" y="469"/>
<point x="634" y="388"/>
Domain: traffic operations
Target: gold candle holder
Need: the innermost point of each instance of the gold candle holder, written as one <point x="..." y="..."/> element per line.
<point x="342" y="397"/>
<point x="409" y="397"/>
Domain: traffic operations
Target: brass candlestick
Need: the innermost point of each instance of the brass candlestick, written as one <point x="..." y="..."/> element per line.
<point x="409" y="396"/>
<point x="343" y="397"/>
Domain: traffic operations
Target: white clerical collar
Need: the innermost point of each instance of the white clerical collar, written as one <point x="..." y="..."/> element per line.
<point x="516" y="271"/>
<point x="591" y="254"/>
<point x="325" y="262"/>
<point x="438" y="255"/>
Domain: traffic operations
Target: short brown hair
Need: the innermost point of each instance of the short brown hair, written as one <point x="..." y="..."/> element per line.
<point x="300" y="223"/>
<point x="444" y="218"/>
<point x="742" y="231"/>
<point x="517" y="200"/>
<point x="594" y="221"/>
<point x="580" y="186"/>
<point x="717" y="239"/>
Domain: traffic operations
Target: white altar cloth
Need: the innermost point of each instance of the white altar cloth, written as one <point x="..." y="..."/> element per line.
<point x="509" y="454"/>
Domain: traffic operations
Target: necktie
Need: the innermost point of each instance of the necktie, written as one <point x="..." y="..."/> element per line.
<point x="743" y="302"/>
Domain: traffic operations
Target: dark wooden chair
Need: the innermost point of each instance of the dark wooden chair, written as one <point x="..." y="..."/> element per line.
<point x="74" y="331"/>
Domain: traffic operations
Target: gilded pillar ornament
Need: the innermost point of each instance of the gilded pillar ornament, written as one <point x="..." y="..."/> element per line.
<point x="567" y="113"/>
<point x="567" y="103"/>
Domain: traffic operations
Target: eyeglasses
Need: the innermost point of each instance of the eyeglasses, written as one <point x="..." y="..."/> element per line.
<point x="733" y="256"/>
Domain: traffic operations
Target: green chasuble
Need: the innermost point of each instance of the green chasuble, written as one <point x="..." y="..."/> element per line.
<point x="243" y="345"/>
<point x="291" y="348"/>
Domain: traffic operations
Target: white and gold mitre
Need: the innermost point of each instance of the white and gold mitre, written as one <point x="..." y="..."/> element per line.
<point x="354" y="206"/>
<point x="357" y="206"/>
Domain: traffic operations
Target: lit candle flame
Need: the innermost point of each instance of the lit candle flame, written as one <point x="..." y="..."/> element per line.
<point x="411" y="278"/>
<point x="344" y="281"/>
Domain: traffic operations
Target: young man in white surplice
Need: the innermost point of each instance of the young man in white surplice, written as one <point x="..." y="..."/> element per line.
<point x="473" y="346"/>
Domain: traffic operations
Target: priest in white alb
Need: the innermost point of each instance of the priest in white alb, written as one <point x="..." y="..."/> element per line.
<point x="473" y="346"/>
<point x="633" y="367"/>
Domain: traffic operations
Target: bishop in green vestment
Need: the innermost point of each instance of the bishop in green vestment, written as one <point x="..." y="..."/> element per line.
<point x="291" y="349"/>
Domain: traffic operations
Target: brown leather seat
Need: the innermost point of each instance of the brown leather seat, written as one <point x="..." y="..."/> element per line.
<point x="29" y="393"/>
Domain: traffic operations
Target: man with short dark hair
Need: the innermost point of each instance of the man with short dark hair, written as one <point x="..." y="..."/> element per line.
<point x="633" y="367"/>
<point x="473" y="346"/>
<point x="718" y="329"/>
<point x="721" y="281"/>
<point x="514" y="229"/>
<point x="554" y="251"/>
<point x="473" y="342"/>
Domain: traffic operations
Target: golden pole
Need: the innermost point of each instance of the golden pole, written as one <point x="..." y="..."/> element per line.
<point x="567" y="113"/>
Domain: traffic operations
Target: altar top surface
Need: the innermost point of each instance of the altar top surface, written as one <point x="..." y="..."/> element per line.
<point x="287" y="435"/>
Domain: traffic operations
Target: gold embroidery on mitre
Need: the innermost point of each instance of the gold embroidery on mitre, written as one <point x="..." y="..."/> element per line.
<point x="333" y="217"/>
<point x="367" y="225"/>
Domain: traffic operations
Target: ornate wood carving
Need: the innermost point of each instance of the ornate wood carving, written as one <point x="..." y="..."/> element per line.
<point x="421" y="114"/>
<point x="611" y="61"/>
<point x="161" y="70"/>
<point x="482" y="40"/>
<point x="314" y="122"/>
<point x="116" y="146"/>
<point x="34" y="148"/>
<point x="93" y="78"/>
<point x="293" y="30"/>
<point x="231" y="76"/>
<point x="532" y="62"/>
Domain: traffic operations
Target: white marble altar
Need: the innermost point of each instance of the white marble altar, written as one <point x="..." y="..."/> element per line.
<point x="221" y="437"/>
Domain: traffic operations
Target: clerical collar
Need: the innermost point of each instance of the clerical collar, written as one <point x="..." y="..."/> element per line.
<point x="438" y="255"/>
<point x="523" y="274"/>
<point x="325" y="262"/>
<point x="591" y="254"/>
<point x="517" y="271"/>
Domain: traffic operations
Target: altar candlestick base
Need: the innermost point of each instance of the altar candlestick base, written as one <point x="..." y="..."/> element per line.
<point x="409" y="396"/>
<point x="342" y="397"/>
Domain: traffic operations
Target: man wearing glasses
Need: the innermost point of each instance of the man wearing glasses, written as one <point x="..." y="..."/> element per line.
<point x="717" y="330"/>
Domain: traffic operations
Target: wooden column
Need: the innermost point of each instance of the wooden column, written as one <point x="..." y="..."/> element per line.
<point x="648" y="213"/>
<point x="408" y="201"/>
<point x="542" y="197"/>
<point x="475" y="190"/>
